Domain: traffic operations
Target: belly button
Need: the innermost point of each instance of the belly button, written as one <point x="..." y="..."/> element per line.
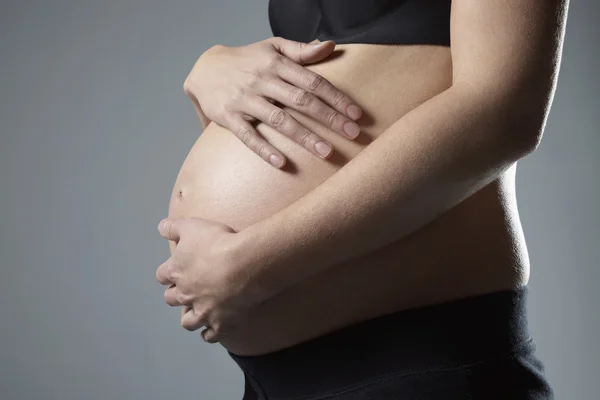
<point x="180" y="194"/>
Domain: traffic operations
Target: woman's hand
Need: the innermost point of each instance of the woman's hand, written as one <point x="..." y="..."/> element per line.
<point x="202" y="277"/>
<point x="235" y="85"/>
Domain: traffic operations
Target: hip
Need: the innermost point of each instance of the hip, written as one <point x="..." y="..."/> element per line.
<point x="477" y="347"/>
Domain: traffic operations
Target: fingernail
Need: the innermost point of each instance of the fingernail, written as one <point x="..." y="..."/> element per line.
<point x="353" y="112"/>
<point x="351" y="129"/>
<point x="276" y="160"/>
<point x="161" y="225"/>
<point x="321" y="44"/>
<point x="323" y="148"/>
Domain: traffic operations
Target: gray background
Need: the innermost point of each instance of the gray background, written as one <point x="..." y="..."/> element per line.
<point x="94" y="127"/>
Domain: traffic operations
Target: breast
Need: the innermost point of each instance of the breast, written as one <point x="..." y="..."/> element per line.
<point x="222" y="179"/>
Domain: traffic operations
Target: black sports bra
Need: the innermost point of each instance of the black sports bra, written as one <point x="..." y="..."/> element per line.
<point x="362" y="21"/>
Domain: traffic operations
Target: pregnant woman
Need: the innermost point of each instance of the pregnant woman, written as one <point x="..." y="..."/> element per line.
<point x="394" y="265"/>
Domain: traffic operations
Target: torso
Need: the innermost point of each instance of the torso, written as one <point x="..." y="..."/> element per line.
<point x="474" y="248"/>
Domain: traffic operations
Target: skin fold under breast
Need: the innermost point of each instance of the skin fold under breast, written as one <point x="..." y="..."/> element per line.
<point x="474" y="248"/>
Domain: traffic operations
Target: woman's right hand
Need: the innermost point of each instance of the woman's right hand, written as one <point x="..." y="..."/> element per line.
<point x="235" y="85"/>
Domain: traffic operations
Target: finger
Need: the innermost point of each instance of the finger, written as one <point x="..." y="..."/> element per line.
<point x="192" y="321"/>
<point x="244" y="131"/>
<point x="174" y="297"/>
<point x="300" y="52"/>
<point x="311" y="105"/>
<point x="283" y="122"/>
<point x="204" y="120"/>
<point x="316" y="84"/>
<point x="170" y="228"/>
<point x="185" y="309"/>
<point x="209" y="335"/>
<point x="164" y="273"/>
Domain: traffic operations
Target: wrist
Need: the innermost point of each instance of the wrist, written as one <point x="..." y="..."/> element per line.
<point x="246" y="252"/>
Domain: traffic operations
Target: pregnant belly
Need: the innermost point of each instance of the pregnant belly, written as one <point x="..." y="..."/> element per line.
<point x="223" y="180"/>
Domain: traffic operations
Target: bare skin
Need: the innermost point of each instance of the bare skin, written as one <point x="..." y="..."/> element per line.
<point x="474" y="248"/>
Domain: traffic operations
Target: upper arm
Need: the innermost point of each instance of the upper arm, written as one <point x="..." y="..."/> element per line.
<point x="510" y="50"/>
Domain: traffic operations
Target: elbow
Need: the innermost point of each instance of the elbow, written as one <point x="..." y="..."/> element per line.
<point x="527" y="114"/>
<point x="517" y="117"/>
<point x="532" y="142"/>
<point x="528" y="125"/>
<point x="525" y="135"/>
<point x="519" y="109"/>
<point x="531" y="105"/>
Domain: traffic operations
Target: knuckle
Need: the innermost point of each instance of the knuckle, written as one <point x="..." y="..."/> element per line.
<point x="245" y="136"/>
<point x="217" y="328"/>
<point x="214" y="49"/>
<point x="165" y="271"/>
<point x="314" y="81"/>
<point x="217" y="46"/>
<point x="301" y="98"/>
<point x="304" y="138"/>
<point x="187" y="324"/>
<point x="272" y="61"/>
<point x="187" y="89"/>
<point x="181" y="298"/>
<point x="337" y="99"/>
<point x="172" y="276"/>
<point x="238" y="95"/>
<point x="253" y="78"/>
<point x="171" y="265"/>
<point x="274" y="40"/>
<point x="202" y="315"/>
<point x="331" y="118"/>
<point x="277" y="117"/>
<point x="227" y="114"/>
<point x="262" y="151"/>
<point x="178" y="295"/>
<point x="167" y="297"/>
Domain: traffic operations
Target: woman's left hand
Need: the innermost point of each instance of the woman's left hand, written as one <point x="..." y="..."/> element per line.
<point x="202" y="277"/>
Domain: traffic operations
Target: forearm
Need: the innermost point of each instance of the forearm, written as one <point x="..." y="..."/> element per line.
<point x="428" y="161"/>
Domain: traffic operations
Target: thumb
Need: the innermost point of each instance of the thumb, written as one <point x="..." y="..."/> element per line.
<point x="170" y="229"/>
<point x="303" y="53"/>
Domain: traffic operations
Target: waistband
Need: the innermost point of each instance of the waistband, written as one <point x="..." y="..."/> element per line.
<point x="445" y="335"/>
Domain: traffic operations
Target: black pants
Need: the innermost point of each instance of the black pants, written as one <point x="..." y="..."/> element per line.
<point x="473" y="348"/>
